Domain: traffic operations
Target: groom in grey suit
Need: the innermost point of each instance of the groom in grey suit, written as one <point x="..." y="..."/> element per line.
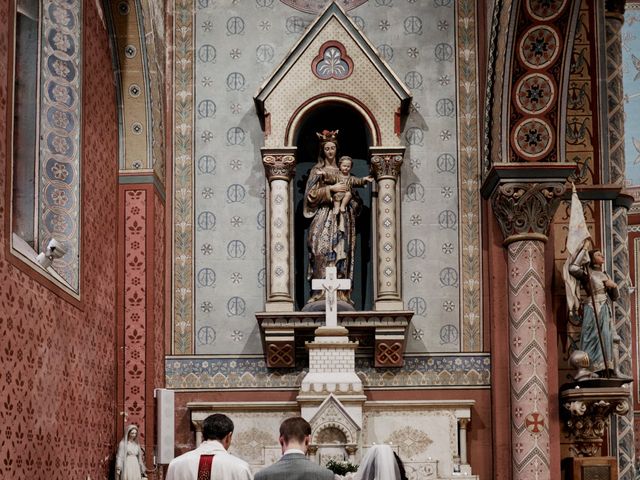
<point x="295" y="435"/>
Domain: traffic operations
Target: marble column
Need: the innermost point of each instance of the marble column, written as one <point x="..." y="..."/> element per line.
<point x="279" y="166"/>
<point x="385" y="164"/>
<point x="614" y="19"/>
<point x="524" y="212"/>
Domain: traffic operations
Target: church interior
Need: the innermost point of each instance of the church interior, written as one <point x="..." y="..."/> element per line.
<point x="182" y="234"/>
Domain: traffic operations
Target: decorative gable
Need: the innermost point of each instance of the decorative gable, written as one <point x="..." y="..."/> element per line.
<point x="333" y="61"/>
<point x="332" y="415"/>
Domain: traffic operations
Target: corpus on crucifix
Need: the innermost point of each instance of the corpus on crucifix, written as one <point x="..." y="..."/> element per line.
<point x="330" y="286"/>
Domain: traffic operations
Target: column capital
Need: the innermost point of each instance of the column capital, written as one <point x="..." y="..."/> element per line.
<point x="279" y="164"/>
<point x="386" y="165"/>
<point x="525" y="210"/>
<point x="386" y="161"/>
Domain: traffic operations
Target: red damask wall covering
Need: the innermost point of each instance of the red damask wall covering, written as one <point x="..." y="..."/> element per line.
<point x="57" y="358"/>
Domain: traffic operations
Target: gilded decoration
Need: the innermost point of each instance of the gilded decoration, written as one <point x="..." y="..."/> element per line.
<point x="526" y="210"/>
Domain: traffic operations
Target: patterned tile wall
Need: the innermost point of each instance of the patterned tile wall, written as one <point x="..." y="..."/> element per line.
<point x="233" y="53"/>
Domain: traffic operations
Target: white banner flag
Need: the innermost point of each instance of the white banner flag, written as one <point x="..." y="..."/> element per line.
<point x="578" y="235"/>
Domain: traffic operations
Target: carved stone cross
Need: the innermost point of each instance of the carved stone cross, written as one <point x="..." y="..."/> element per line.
<point x="331" y="285"/>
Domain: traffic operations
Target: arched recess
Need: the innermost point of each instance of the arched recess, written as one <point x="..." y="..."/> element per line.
<point x="357" y="132"/>
<point x="293" y="92"/>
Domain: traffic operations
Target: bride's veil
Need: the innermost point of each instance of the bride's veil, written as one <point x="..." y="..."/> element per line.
<point x="378" y="464"/>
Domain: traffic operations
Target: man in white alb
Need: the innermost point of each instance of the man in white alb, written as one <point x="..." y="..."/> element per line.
<point x="211" y="461"/>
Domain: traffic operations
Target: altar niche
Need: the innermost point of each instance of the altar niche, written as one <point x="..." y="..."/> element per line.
<point x="354" y="140"/>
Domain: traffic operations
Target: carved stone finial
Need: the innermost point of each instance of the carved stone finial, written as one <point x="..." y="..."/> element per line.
<point x="386" y="166"/>
<point x="279" y="167"/>
<point x="525" y="210"/>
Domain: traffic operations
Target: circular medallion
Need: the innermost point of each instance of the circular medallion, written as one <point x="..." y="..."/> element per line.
<point x="532" y="139"/>
<point x="534" y="422"/>
<point x="539" y="47"/>
<point x="534" y="93"/>
<point x="545" y="10"/>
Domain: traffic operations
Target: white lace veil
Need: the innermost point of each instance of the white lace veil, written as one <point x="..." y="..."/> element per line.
<point x="378" y="464"/>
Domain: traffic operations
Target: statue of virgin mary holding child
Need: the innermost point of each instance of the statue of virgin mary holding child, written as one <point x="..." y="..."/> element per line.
<point x="331" y="235"/>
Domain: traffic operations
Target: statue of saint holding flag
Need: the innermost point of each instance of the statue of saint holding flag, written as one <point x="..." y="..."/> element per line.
<point x="589" y="289"/>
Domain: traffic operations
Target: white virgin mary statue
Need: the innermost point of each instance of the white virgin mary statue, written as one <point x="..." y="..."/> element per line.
<point x="129" y="460"/>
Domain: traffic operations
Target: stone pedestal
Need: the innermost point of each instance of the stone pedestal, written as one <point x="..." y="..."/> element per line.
<point x="586" y="413"/>
<point x="332" y="372"/>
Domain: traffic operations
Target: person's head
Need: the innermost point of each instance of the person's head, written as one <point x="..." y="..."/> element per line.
<point x="380" y="463"/>
<point x="345" y="164"/>
<point x="218" y="427"/>
<point x="328" y="146"/>
<point x="596" y="258"/>
<point x="132" y="433"/>
<point x="295" y="432"/>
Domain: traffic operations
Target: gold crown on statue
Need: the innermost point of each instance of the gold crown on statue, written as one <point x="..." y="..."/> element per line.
<point x="328" y="136"/>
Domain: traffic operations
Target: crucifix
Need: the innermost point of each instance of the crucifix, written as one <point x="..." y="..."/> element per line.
<point x="331" y="285"/>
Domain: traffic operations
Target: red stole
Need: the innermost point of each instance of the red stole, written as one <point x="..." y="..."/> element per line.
<point x="204" y="467"/>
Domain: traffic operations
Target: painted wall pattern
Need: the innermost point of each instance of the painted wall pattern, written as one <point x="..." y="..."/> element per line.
<point x="528" y="361"/>
<point x="615" y="168"/>
<point x="440" y="371"/>
<point x="135" y="308"/>
<point x="58" y="360"/>
<point x="219" y="183"/>
<point x="631" y="86"/>
<point x="60" y="124"/>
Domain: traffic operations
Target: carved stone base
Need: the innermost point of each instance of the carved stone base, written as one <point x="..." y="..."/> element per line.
<point x="586" y="414"/>
<point x="381" y="335"/>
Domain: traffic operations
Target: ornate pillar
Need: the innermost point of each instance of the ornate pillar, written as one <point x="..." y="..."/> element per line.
<point x="614" y="18"/>
<point x="524" y="212"/>
<point x="463" y="423"/>
<point x="279" y="165"/>
<point x="385" y="165"/>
